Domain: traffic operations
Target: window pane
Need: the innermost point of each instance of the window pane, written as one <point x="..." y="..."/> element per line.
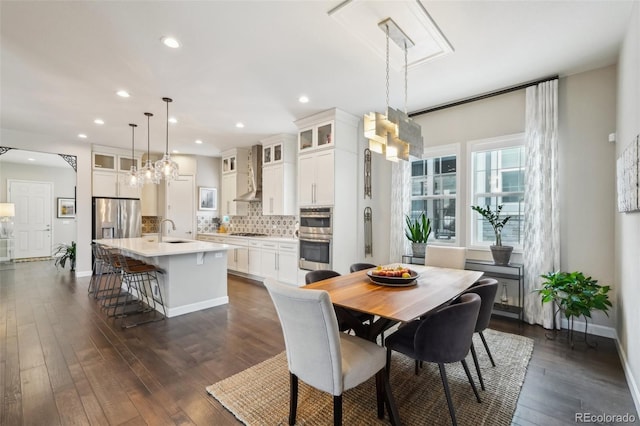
<point x="417" y="187"/>
<point x="449" y="164"/>
<point x="417" y="168"/>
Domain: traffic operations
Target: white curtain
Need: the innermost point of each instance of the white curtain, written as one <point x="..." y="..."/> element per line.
<point x="400" y="205"/>
<point x="542" y="221"/>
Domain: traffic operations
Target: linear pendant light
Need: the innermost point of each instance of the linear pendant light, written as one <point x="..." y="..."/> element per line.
<point x="148" y="173"/>
<point x="167" y="168"/>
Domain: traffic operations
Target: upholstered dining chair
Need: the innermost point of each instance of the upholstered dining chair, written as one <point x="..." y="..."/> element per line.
<point x="445" y="257"/>
<point x="319" y="275"/>
<point x="320" y="355"/>
<point x="486" y="288"/>
<point x="443" y="337"/>
<point x="361" y="267"/>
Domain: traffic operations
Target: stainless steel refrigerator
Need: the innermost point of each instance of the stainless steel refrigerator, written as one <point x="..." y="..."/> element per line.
<point x="116" y="218"/>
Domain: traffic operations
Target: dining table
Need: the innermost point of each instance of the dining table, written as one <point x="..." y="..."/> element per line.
<point x="432" y="288"/>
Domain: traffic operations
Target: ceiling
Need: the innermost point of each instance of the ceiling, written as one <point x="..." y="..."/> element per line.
<point x="62" y="62"/>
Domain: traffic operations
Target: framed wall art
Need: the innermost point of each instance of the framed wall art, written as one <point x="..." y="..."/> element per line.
<point x="66" y="207"/>
<point x="208" y="199"/>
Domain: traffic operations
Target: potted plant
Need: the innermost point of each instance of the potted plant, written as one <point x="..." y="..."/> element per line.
<point x="501" y="254"/>
<point x="575" y="295"/>
<point x="64" y="252"/>
<point x="418" y="231"/>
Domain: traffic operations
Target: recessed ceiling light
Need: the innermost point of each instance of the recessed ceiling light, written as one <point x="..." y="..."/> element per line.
<point x="303" y="99"/>
<point x="99" y="121"/>
<point x="173" y="120"/>
<point x="175" y="151"/>
<point x="170" y="42"/>
<point x="82" y="136"/>
<point x="240" y="125"/>
<point x="198" y="141"/>
<point x="31" y="159"/>
<point x="123" y="93"/>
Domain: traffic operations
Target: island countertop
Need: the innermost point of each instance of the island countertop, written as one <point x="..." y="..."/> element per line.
<point x="149" y="247"/>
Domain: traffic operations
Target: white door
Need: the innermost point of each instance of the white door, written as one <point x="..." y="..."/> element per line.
<point x="32" y="223"/>
<point x="181" y="207"/>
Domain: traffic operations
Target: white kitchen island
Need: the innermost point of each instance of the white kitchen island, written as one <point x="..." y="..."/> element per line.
<point x="195" y="272"/>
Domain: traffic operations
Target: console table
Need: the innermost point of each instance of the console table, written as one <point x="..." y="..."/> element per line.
<point x="512" y="273"/>
<point x="6" y="253"/>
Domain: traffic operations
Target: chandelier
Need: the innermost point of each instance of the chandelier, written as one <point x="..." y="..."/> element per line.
<point x="132" y="176"/>
<point x="166" y="167"/>
<point x="394" y="134"/>
<point x="148" y="173"/>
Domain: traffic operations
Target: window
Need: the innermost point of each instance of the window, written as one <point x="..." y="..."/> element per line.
<point x="434" y="188"/>
<point x="497" y="170"/>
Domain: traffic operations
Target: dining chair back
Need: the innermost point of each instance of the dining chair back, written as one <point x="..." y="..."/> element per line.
<point x="486" y="288"/>
<point x="360" y="267"/>
<point x="445" y="257"/>
<point x="320" y="355"/>
<point x="322" y="274"/>
<point x="443" y="337"/>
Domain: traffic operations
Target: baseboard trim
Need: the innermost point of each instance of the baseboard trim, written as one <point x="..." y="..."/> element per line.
<point x="186" y="309"/>
<point x="633" y="386"/>
<point x="83" y="273"/>
<point x="595" y="329"/>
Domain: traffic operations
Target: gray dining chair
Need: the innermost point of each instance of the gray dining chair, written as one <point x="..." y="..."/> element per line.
<point x="443" y="337"/>
<point x="361" y="267"/>
<point x="445" y="257"/>
<point x="321" y="356"/>
<point x="486" y="288"/>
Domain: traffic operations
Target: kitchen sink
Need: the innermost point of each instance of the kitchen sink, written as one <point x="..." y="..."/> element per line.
<point x="177" y="242"/>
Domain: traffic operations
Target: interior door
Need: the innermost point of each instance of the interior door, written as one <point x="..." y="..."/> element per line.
<point x="32" y="223"/>
<point x="181" y="207"/>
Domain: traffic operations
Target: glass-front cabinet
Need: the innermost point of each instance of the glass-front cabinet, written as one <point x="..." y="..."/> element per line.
<point x="104" y="161"/>
<point x="272" y="154"/>
<point x="229" y="164"/>
<point x="316" y="137"/>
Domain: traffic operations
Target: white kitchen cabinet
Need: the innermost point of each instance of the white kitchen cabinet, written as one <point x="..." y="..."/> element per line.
<point x="235" y="181"/>
<point x="315" y="137"/>
<point x="270" y="260"/>
<point x="255" y="258"/>
<point x="109" y="177"/>
<point x="288" y="263"/>
<point x="279" y="175"/>
<point x="104" y="161"/>
<point x="316" y="179"/>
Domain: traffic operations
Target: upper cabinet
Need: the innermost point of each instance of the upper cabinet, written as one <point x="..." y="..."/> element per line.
<point x="279" y="175"/>
<point x="316" y="137"/>
<point x="235" y="181"/>
<point x="110" y="167"/>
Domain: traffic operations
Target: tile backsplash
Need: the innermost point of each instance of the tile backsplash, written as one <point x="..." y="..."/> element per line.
<point x="150" y="224"/>
<point x="278" y="226"/>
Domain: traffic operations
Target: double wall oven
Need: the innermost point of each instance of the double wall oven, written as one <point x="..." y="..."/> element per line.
<point x="315" y="235"/>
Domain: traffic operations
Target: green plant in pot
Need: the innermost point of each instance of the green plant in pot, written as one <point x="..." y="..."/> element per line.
<point x="418" y="231"/>
<point x="575" y="295"/>
<point x="501" y="254"/>
<point x="65" y="252"/>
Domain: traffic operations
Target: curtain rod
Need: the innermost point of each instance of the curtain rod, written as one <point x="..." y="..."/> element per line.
<point x="484" y="96"/>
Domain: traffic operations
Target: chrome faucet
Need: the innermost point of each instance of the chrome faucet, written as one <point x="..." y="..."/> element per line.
<point x="173" y="226"/>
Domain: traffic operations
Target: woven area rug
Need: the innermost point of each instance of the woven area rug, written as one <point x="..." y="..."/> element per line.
<point x="260" y="394"/>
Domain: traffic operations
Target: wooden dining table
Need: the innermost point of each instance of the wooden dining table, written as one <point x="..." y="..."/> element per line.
<point x="434" y="287"/>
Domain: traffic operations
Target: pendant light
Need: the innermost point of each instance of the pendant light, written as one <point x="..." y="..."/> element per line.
<point x="132" y="176"/>
<point x="148" y="173"/>
<point x="394" y="134"/>
<point x="167" y="168"/>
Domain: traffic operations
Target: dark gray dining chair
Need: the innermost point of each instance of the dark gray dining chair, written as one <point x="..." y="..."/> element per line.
<point x="321" y="356"/>
<point x="361" y="267"/>
<point x="486" y="288"/>
<point x="443" y="338"/>
<point x="322" y="274"/>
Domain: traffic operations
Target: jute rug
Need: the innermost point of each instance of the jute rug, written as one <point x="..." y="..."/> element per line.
<point x="260" y="394"/>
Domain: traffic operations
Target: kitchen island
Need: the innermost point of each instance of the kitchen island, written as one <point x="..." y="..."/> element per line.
<point x="195" y="272"/>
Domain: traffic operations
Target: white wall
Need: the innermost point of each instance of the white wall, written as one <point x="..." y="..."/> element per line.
<point x="209" y="173"/>
<point x="627" y="229"/>
<point x="64" y="182"/>
<point x="587" y="115"/>
<point x="45" y="143"/>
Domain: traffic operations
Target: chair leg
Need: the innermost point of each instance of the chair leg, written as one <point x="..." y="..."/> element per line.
<point x="417" y="366"/>
<point x="381" y="376"/>
<point x="473" y="385"/>
<point x="293" y="398"/>
<point x="447" y="393"/>
<point x="475" y="361"/>
<point x="487" y="348"/>
<point x="388" y="366"/>
<point x="337" y="410"/>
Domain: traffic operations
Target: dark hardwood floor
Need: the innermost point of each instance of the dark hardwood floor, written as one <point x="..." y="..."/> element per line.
<point x="63" y="362"/>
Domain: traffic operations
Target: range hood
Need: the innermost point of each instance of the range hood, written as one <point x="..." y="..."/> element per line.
<point x="255" y="176"/>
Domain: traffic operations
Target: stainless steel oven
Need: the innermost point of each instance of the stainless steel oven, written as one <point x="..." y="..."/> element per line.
<point x="316" y="221"/>
<point x="315" y="235"/>
<point x="315" y="252"/>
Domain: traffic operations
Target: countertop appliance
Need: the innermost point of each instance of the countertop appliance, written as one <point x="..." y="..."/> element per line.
<point x="116" y="218"/>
